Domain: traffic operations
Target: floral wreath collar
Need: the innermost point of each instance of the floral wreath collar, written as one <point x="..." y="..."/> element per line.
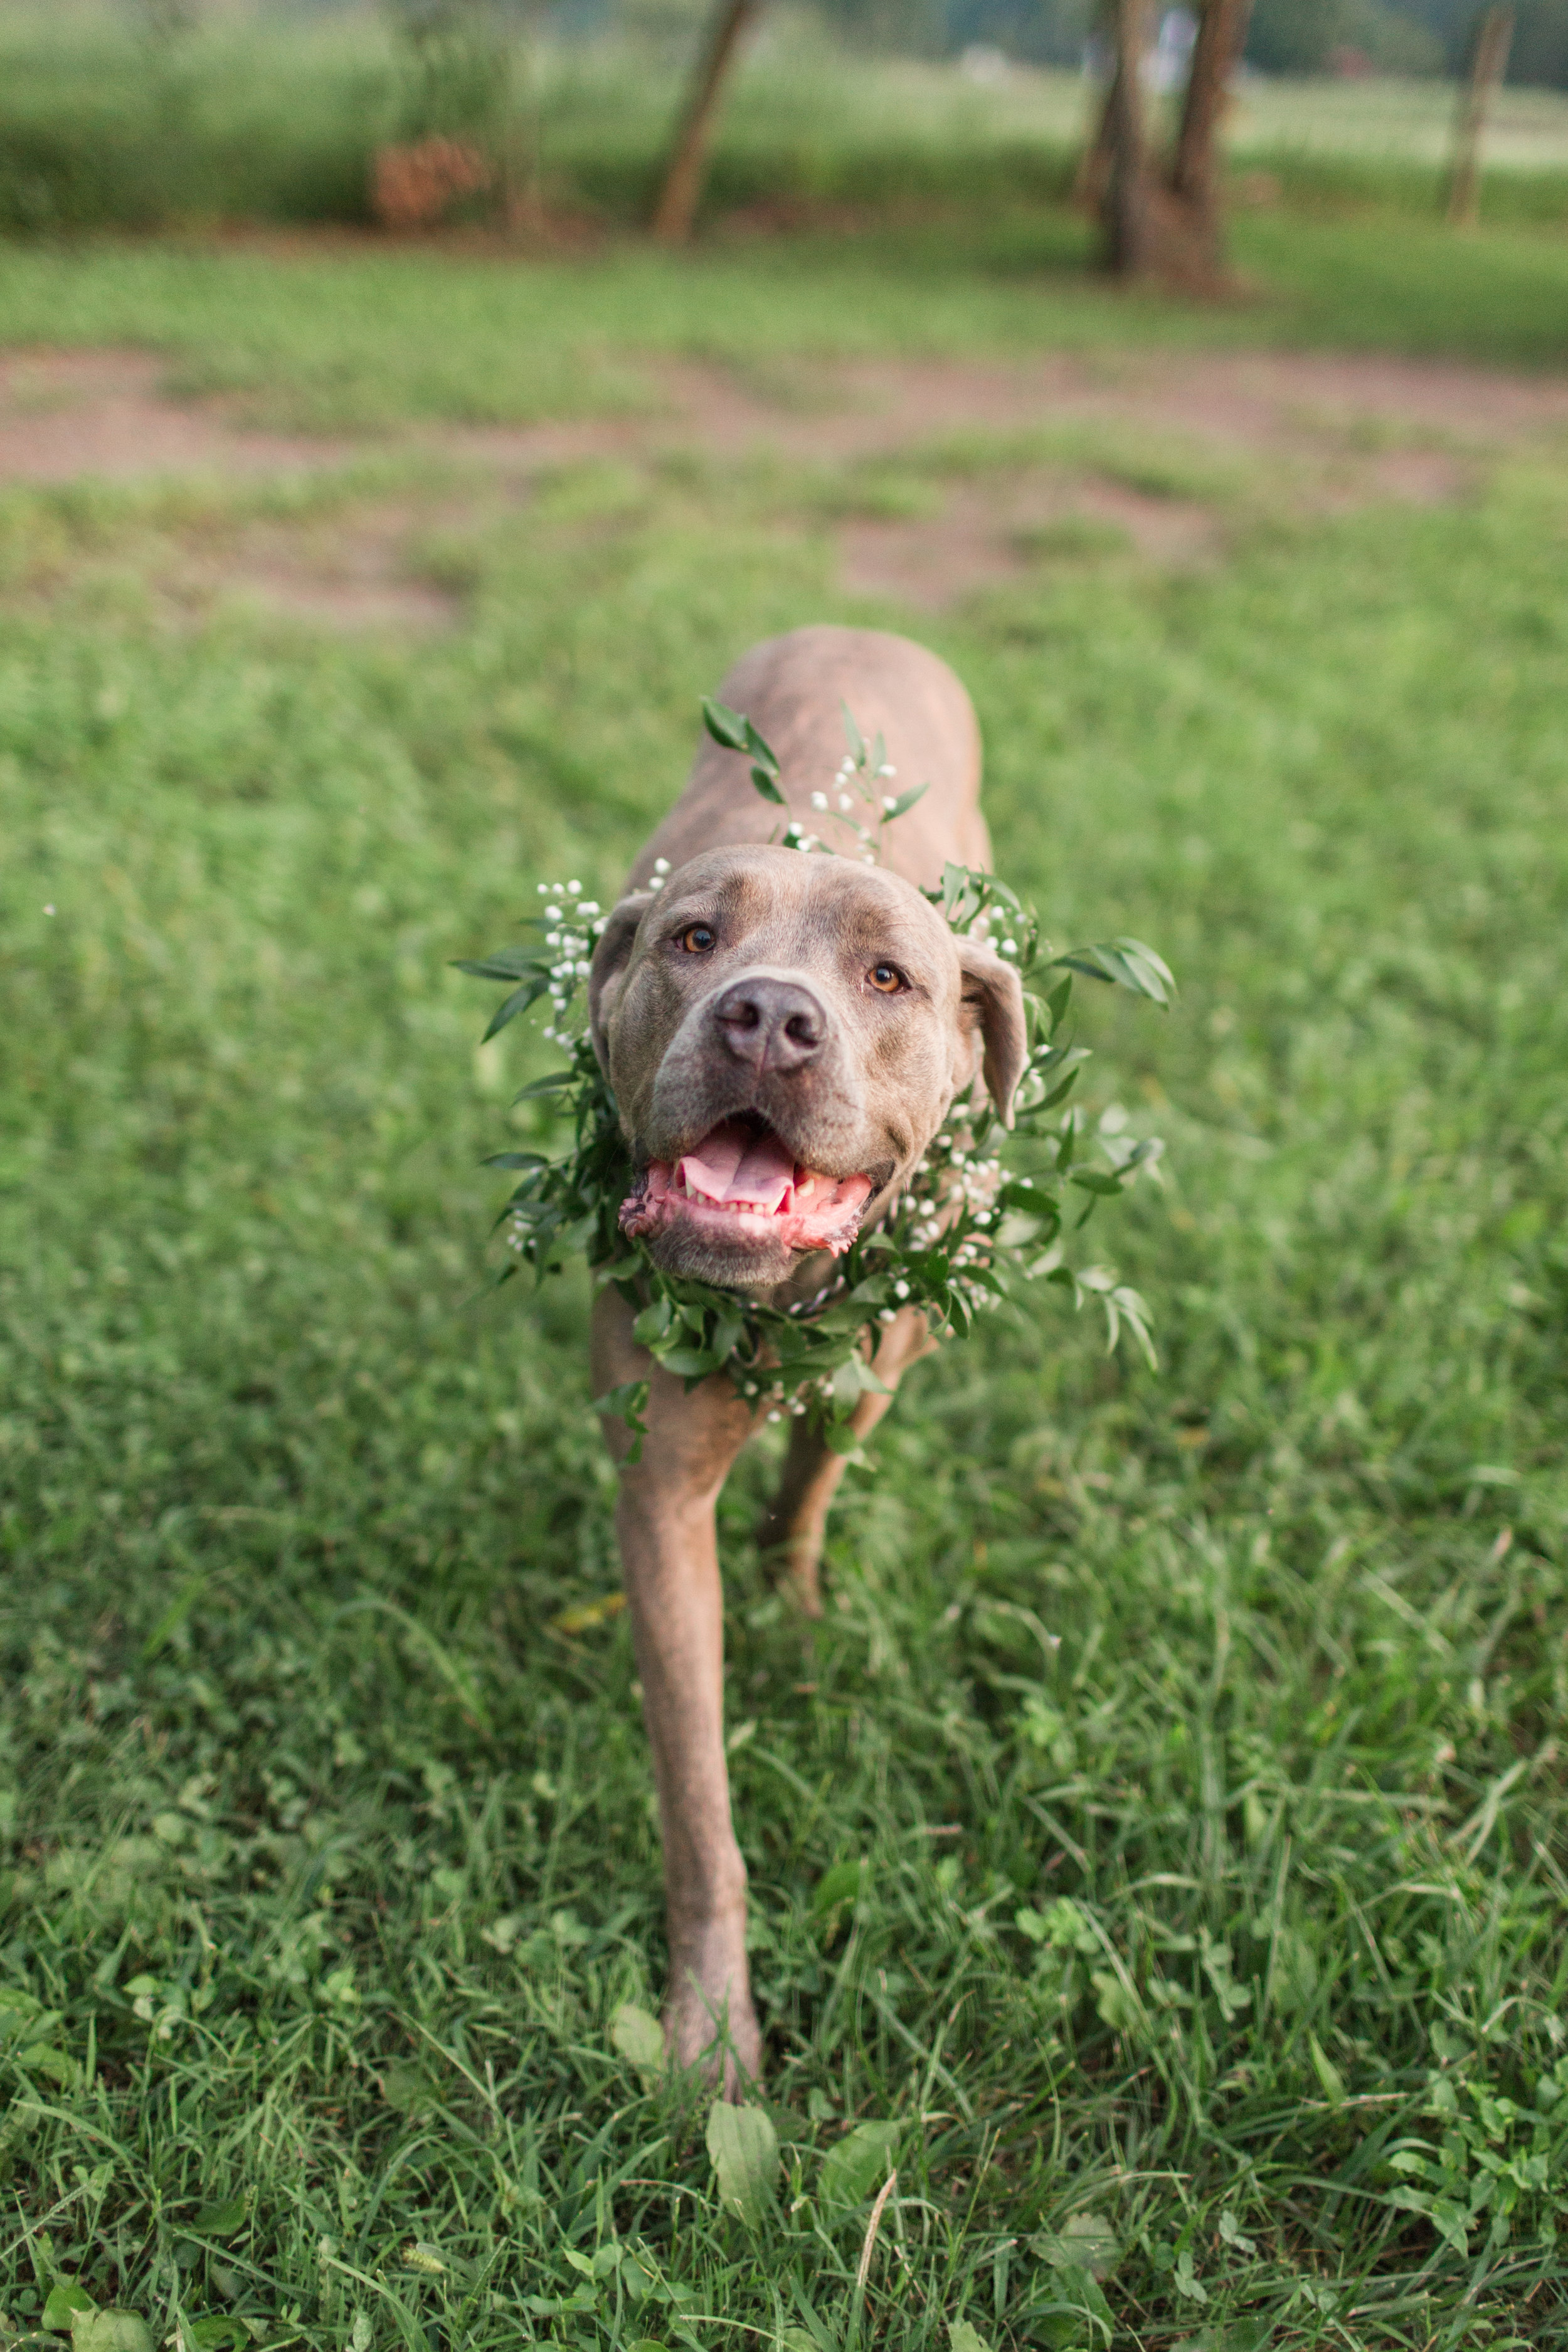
<point x="969" y="1230"/>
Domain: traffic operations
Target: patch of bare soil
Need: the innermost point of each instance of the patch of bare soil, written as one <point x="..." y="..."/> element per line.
<point x="100" y="416"/>
<point x="1336" y="433"/>
<point x="992" y="531"/>
<point x="350" y="573"/>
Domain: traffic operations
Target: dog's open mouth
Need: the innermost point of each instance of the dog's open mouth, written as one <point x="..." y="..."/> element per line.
<point x="743" y="1183"/>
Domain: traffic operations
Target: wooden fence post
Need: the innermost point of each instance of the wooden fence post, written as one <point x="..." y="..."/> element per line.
<point x="1486" y="69"/>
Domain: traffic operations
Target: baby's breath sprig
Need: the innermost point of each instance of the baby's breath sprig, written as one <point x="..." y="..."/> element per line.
<point x="968" y="1231"/>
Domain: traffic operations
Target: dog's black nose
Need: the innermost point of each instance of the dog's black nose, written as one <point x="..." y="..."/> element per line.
<point x="771" y="1025"/>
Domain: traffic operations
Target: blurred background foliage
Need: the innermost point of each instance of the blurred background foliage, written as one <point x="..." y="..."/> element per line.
<point x="158" y="113"/>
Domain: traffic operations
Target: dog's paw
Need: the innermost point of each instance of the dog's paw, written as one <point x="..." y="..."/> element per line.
<point x="711" y="2030"/>
<point x="792" y="1561"/>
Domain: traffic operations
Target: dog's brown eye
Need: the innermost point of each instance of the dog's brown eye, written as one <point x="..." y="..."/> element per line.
<point x="886" y="977"/>
<point x="698" y="940"/>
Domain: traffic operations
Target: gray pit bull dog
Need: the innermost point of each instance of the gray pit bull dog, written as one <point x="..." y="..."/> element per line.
<point x="785" y="1035"/>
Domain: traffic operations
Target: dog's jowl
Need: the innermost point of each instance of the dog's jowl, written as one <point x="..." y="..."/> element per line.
<point x="784" y="1035"/>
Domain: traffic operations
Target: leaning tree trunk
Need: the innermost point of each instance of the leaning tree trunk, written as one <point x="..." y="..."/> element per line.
<point x="682" y="189"/>
<point x="1194" y="168"/>
<point x="1487" y="67"/>
<point x="1127" y="212"/>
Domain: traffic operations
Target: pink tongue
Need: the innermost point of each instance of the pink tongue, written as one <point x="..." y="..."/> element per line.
<point x="734" y="1164"/>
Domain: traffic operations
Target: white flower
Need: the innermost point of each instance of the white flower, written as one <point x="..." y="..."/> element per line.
<point x="820" y="800"/>
<point x="544" y="889"/>
<point x="1009" y="947"/>
<point x="845" y="801"/>
<point x="572" y="889"/>
<point x="661" y="865"/>
<point x="901" y="1290"/>
<point x="890" y="802"/>
<point x="657" y="882"/>
<point x="887" y="770"/>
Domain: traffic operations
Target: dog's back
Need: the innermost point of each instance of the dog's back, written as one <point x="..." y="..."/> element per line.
<point x="794" y="690"/>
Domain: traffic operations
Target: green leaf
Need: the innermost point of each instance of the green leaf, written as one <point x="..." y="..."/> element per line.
<point x="67" y="2301"/>
<point x="406" y="2087"/>
<point x="43" y="2058"/>
<point x="763" y="784"/>
<point x="638" y="2038"/>
<point x="689" y="1364"/>
<point x="1086" y="2242"/>
<point x="552" y="1083"/>
<point x="1451" y="2223"/>
<point x="859" y="2163"/>
<point x="744" y="2150"/>
<point x="1126" y="964"/>
<point x="628" y="1402"/>
<point x="518" y="1002"/>
<point x="506" y="963"/>
<point x="1063" y="1927"/>
<point x="207" y="2335"/>
<point x="111" y="2331"/>
<point x="1329" y="2076"/>
<point x="963" y="2338"/>
<point x="1077" y="2293"/>
<point x="841" y="1883"/>
<point x="223" y="2219"/>
<point x="726" y="726"/>
<point x="852" y="735"/>
<point x="1117" y="2006"/>
<point x="653" y="1323"/>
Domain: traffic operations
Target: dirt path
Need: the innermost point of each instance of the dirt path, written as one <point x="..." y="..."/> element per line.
<point x="1098" y="446"/>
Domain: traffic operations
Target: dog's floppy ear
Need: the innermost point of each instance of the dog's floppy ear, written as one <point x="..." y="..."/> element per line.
<point x="994" y="1002"/>
<point x="612" y="953"/>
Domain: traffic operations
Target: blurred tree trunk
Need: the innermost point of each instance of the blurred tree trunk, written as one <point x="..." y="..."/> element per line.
<point x="1195" y="170"/>
<point x="1165" y="223"/>
<point x="1125" y="207"/>
<point x="1487" y="67"/>
<point x="682" y="189"/>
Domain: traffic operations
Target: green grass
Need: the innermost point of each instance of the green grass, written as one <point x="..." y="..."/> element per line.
<point x="1198" y="1736"/>
<point x="363" y="338"/>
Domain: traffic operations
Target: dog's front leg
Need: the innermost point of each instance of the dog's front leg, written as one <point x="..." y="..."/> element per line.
<point x="791" y="1533"/>
<point x="669" y="1557"/>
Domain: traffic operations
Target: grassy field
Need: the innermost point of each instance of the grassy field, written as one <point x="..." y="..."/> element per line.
<point x="259" y="116"/>
<point x="1158" y="1853"/>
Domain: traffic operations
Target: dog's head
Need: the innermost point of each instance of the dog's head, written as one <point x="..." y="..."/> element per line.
<point x="785" y="1035"/>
